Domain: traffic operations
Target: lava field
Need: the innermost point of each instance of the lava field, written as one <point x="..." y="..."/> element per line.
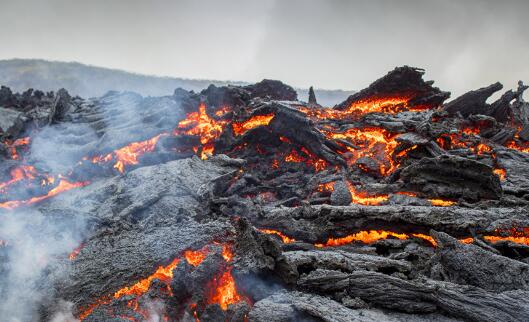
<point x="241" y="203"/>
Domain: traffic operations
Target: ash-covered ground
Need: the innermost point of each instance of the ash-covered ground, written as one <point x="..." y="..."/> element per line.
<point x="245" y="204"/>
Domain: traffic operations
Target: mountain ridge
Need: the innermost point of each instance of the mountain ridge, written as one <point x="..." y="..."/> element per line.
<point x="91" y="81"/>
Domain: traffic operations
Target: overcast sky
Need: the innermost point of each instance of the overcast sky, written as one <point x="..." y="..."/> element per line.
<point x="463" y="44"/>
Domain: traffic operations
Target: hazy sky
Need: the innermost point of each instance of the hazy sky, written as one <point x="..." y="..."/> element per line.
<point x="463" y="44"/>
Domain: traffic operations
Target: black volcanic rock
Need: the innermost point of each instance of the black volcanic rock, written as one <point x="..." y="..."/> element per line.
<point x="472" y="265"/>
<point x="312" y="97"/>
<point x="232" y="96"/>
<point x="449" y="176"/>
<point x="401" y="81"/>
<point x="473" y="102"/>
<point x="273" y="89"/>
<point x="269" y="219"/>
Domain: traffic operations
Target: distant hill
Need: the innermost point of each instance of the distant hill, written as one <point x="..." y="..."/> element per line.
<point x="91" y="81"/>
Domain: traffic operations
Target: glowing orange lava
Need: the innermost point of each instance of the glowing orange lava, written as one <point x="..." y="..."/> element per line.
<point x="294" y="156"/>
<point x="200" y="124"/>
<point x="196" y="257"/>
<point x="441" y="202"/>
<point x="12" y="147"/>
<point x="326" y="187"/>
<point x="406" y="193"/>
<point x="308" y="158"/>
<point x="163" y="273"/>
<point x="363" y="198"/>
<point x="501" y="173"/>
<point x="371" y="236"/>
<point x="75" y="252"/>
<point x="516" y="146"/>
<point x="374" y="143"/>
<point x="284" y="238"/>
<point x="239" y="128"/>
<point x="388" y="104"/>
<point x="224" y="290"/>
<point x="468" y="240"/>
<point x="129" y="154"/>
<point x="61" y="187"/>
<point x="366" y="237"/>
<point x="223" y="111"/>
<point x="19" y="173"/>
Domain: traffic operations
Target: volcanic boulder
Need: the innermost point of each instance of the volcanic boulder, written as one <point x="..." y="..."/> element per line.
<point x="473" y="102"/>
<point x="449" y="176"/>
<point x="472" y="265"/>
<point x="401" y="81"/>
<point x="11" y="122"/>
<point x="272" y="89"/>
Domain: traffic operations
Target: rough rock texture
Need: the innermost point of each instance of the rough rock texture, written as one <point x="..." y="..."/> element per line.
<point x="340" y="195"/>
<point x="138" y="234"/>
<point x="427" y="296"/>
<point x="473" y="102"/>
<point x="273" y="89"/>
<point x="452" y="177"/>
<point x="11" y="121"/>
<point x="402" y="80"/>
<point x="240" y="203"/>
<point x="472" y="265"/>
<point x="298" y="306"/>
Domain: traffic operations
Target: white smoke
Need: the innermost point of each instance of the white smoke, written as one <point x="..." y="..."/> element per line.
<point x="64" y="313"/>
<point x="35" y="243"/>
<point x="58" y="148"/>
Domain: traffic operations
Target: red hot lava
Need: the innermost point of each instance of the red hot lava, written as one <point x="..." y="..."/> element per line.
<point x="222" y="289"/>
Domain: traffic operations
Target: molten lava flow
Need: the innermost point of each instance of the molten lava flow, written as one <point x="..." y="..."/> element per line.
<point x="196" y="257"/>
<point x="501" y="173"/>
<point x="366" y="237"/>
<point x="308" y="158"/>
<point x="514" y="239"/>
<point x="468" y="240"/>
<point x="294" y="156"/>
<point x="382" y="104"/>
<point x="61" y="187"/>
<point x="47" y="181"/>
<point x="441" y="202"/>
<point x="163" y="273"/>
<point x="518" y="235"/>
<point x="239" y="128"/>
<point x="207" y="150"/>
<point x="391" y="105"/>
<point x="363" y="198"/>
<point x="129" y="154"/>
<point x="223" y="111"/>
<point x="224" y="290"/>
<point x="406" y="193"/>
<point x="19" y="173"/>
<point x="427" y="238"/>
<point x="468" y="138"/>
<point x="373" y="143"/>
<point x="481" y="149"/>
<point x="326" y="187"/>
<point x="12" y="147"/>
<point x="471" y="130"/>
<point x="75" y="252"/>
<point x="516" y="146"/>
<point x="284" y="238"/>
<point x="275" y="164"/>
<point x="202" y="125"/>
<point x="371" y="236"/>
